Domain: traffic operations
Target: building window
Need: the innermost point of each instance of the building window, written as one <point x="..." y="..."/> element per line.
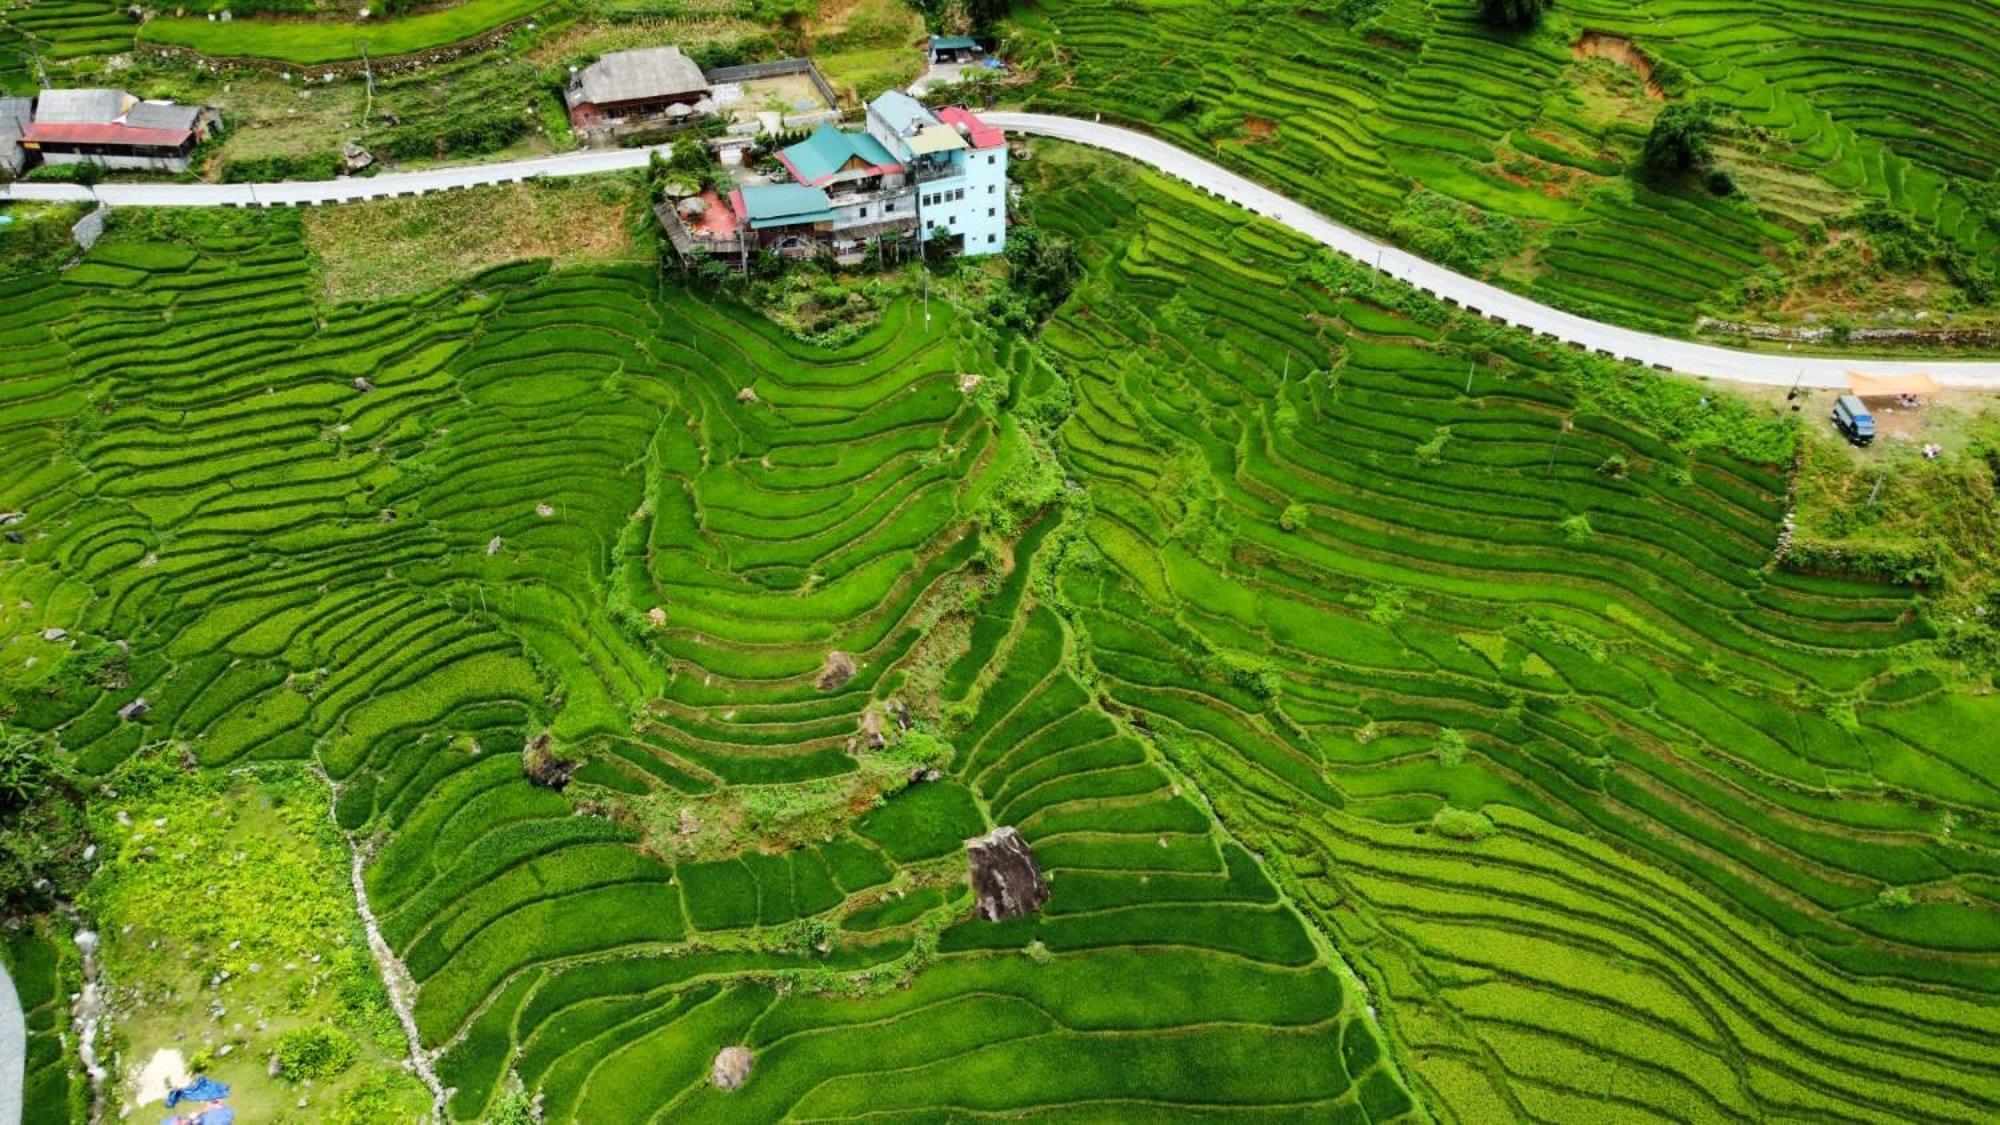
<point x="989" y="212"/>
<point x="990" y="189"/>
<point x="989" y="240"/>
<point x="864" y="212"/>
<point x="954" y="220"/>
<point x="989" y="160"/>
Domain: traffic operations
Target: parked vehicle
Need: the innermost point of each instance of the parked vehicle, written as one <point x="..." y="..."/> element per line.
<point x="1853" y="421"/>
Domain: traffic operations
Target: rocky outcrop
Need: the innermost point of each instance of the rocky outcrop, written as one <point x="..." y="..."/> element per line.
<point x="1006" y="880"/>
<point x="731" y="1068"/>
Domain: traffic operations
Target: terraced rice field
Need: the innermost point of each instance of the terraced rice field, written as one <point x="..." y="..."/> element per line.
<point x="1353" y="107"/>
<point x="1315" y="576"/>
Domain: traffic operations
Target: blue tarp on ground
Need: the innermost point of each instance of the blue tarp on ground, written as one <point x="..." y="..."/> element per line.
<point x="202" y="1089"/>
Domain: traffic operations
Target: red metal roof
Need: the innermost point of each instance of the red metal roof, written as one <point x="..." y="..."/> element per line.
<point x="110" y="133"/>
<point x="979" y="132"/>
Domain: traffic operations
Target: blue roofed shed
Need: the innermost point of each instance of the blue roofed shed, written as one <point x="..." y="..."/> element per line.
<point x="783" y="205"/>
<point x="954" y="48"/>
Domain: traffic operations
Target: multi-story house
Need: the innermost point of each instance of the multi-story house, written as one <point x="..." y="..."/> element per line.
<point x="916" y="173"/>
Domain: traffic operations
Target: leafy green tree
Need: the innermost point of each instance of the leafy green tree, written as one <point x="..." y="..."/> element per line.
<point x="1044" y="267"/>
<point x="1515" y="15"/>
<point x="1679" y="142"/>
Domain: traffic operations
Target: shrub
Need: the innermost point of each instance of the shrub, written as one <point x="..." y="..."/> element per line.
<point x="315" y="1053"/>
<point x="1514" y="15"/>
<point x="1451" y="747"/>
<point x="1461" y="824"/>
<point x="1458" y="234"/>
<point x="1679" y="140"/>
<point x="1293" y="517"/>
<point x="1577" y="529"/>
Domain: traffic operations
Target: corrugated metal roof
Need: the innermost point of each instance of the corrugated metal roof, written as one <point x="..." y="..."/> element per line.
<point x="969" y="124"/>
<point x="162" y="115"/>
<point x="902" y="113"/>
<point x="954" y="43"/>
<point x="72" y="107"/>
<point x="821" y="156"/>
<point x="101" y="133"/>
<point x="784" y="205"/>
<point x="15" y="113"/>
<point x="628" y="76"/>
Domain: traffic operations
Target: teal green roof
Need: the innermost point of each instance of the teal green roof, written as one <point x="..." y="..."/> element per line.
<point x="785" y="205"/>
<point x="816" y="159"/>
<point x="954" y="43"/>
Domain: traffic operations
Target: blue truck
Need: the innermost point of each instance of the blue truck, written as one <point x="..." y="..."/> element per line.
<point x="1851" y="418"/>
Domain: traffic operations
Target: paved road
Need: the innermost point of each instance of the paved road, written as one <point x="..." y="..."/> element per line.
<point x="296" y="192"/>
<point x="1772" y="369"/>
<point x="1499" y="304"/>
<point x="13" y="1051"/>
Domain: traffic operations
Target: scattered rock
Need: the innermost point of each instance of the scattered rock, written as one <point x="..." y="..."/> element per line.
<point x="901" y="713"/>
<point x="871" y="726"/>
<point x="9" y="519"/>
<point x="544" y="511"/>
<point x="539" y="762"/>
<point x="54" y="634"/>
<point x="352" y="156"/>
<point x="732" y="1066"/>
<point x="1005" y="877"/>
<point x="687" y="824"/>
<point x="135" y="709"/>
<point x="274" y="1068"/>
<point x="968" y="381"/>
<point x="362" y="384"/>
<point x="388" y="515"/>
<point x="747" y="394"/>
<point x="15" y="537"/>
<point x="837" y="669"/>
<point x="657" y="616"/>
<point x="493" y="545"/>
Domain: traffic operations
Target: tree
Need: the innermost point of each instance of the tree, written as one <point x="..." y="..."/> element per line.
<point x="1515" y="15"/>
<point x="1679" y="140"/>
<point x="1044" y="268"/>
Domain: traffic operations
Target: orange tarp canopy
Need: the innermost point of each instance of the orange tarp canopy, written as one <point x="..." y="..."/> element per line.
<point x="1889" y="386"/>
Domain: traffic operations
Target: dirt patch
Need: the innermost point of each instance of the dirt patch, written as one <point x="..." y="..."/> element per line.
<point x="166" y="1070"/>
<point x="1260" y="128"/>
<point x="395" y="247"/>
<point x="1620" y="50"/>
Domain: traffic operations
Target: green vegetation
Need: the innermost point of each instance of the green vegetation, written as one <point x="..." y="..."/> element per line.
<point x="1396" y="705"/>
<point x="1409" y="118"/>
<point x="1514" y="14"/>
<point x="307" y="42"/>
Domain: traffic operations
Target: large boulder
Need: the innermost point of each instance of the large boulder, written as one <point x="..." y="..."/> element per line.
<point x="1006" y="880"/>
<point x="732" y="1066"/>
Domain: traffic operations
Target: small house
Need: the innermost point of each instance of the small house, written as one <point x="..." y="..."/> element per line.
<point x="113" y="129"/>
<point x="15" y="115"/>
<point x="793" y="219"/>
<point x="956" y="49"/>
<point x="631" y="86"/>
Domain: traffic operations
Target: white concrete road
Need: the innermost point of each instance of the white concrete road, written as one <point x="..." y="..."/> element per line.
<point x="1491" y="301"/>
<point x="292" y="193"/>
<point x="1768" y="368"/>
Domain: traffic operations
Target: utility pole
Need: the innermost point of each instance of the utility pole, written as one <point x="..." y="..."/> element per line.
<point x="368" y="71"/>
<point x="41" y="72"/>
<point x="1469" y="368"/>
<point x="1554" y="449"/>
<point x="1877" y="490"/>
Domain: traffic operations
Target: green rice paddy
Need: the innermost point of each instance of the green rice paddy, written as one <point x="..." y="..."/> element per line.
<point x="1354" y="107"/>
<point x="1371" y="784"/>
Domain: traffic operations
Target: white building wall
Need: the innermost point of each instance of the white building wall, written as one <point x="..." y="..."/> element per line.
<point x="974" y="203"/>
